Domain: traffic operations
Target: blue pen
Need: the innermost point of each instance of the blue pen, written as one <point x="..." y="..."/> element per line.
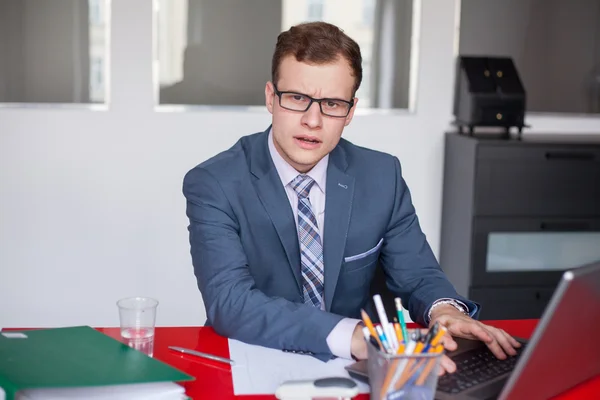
<point x="383" y="338"/>
<point x="430" y="335"/>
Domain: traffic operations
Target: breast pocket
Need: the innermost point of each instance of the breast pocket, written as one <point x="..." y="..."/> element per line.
<point x="364" y="259"/>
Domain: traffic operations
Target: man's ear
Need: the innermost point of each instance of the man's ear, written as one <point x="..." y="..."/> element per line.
<point x="269" y="96"/>
<point x="351" y="114"/>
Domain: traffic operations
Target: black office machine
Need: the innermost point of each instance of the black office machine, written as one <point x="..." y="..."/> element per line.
<point x="488" y="93"/>
<point x="516" y="214"/>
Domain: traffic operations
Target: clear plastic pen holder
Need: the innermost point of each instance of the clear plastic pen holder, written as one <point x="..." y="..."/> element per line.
<point x="399" y="376"/>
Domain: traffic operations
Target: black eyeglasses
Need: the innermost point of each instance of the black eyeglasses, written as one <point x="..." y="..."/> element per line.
<point x="293" y="101"/>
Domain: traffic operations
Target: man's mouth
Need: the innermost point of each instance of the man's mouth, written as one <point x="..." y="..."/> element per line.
<point x="308" y="139"/>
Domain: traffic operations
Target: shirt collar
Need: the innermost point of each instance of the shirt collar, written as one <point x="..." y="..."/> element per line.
<point x="287" y="173"/>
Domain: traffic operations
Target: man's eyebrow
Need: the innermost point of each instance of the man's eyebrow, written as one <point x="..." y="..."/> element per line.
<point x="293" y="91"/>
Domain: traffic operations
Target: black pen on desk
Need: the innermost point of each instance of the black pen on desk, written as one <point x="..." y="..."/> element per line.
<point x="370" y="338"/>
<point x="203" y="355"/>
<point x="431" y="333"/>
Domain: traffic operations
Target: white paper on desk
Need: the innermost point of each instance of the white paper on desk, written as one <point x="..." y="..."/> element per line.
<point x="260" y="370"/>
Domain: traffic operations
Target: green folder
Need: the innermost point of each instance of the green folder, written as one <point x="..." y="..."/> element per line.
<point x="75" y="357"/>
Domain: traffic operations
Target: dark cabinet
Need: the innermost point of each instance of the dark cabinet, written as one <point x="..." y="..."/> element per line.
<point x="516" y="214"/>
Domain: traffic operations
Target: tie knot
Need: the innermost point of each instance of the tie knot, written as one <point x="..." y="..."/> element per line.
<point x="302" y="184"/>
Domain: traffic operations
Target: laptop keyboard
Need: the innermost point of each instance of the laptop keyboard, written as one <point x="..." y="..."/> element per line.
<point x="474" y="367"/>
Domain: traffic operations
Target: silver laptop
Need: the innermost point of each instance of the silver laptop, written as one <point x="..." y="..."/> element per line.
<point x="562" y="352"/>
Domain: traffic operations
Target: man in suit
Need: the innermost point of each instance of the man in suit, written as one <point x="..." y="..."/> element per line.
<point x="288" y="226"/>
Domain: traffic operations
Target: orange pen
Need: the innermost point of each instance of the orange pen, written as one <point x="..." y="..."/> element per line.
<point x="398" y="331"/>
<point x="427" y="370"/>
<point x="438" y="337"/>
<point x="372" y="331"/>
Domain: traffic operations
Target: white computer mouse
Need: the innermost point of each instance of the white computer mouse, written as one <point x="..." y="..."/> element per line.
<point x="341" y="388"/>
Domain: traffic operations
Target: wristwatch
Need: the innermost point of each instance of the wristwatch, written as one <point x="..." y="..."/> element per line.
<point x="459" y="305"/>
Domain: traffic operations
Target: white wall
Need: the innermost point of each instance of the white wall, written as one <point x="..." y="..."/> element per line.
<point x="91" y="208"/>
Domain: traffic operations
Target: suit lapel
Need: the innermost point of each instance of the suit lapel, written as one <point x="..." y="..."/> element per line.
<point x="275" y="201"/>
<point x="338" y="208"/>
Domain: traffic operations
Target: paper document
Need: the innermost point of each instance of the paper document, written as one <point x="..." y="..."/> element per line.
<point x="260" y="370"/>
<point x="135" y="391"/>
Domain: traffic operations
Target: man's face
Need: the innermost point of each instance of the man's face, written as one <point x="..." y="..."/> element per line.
<point x="304" y="138"/>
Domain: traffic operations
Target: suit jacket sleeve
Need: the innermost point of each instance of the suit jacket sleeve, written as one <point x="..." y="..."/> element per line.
<point x="410" y="266"/>
<point x="234" y="305"/>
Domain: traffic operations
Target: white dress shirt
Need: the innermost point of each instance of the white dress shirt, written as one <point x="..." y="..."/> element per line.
<point x="339" y="339"/>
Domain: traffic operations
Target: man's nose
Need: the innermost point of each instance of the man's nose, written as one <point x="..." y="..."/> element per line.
<point x="312" y="117"/>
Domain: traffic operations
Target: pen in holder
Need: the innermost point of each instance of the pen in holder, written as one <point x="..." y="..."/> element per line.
<point x="403" y="376"/>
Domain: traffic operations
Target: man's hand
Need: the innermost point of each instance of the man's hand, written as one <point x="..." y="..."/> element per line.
<point x="358" y="346"/>
<point x="461" y="325"/>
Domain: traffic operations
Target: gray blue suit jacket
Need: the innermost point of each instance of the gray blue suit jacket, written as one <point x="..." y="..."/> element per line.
<point x="245" y="250"/>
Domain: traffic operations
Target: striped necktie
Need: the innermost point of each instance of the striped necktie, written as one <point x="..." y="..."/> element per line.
<point x="311" y="248"/>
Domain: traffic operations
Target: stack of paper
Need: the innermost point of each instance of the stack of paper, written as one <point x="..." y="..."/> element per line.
<point x="81" y="363"/>
<point x="141" y="391"/>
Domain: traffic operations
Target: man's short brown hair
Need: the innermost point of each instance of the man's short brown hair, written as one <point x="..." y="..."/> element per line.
<point x="317" y="43"/>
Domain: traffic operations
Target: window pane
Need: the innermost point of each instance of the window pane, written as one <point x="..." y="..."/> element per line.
<point x="53" y="51"/>
<point x="517" y="251"/>
<point x="218" y="52"/>
<point x="315" y="10"/>
<point x="555" y="45"/>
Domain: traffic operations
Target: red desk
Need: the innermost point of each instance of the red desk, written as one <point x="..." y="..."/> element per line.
<point x="213" y="380"/>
